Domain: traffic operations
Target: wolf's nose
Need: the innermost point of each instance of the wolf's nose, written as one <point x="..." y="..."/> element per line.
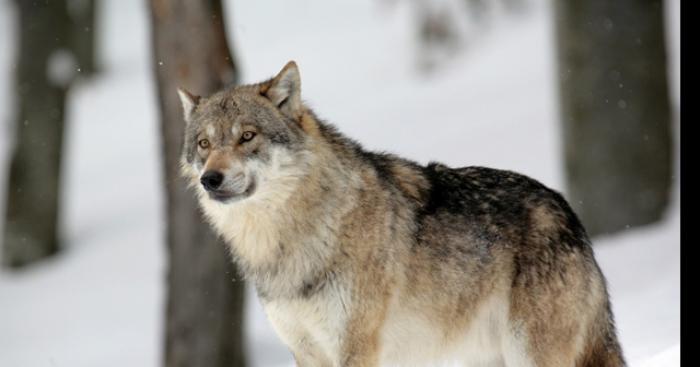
<point x="211" y="180"/>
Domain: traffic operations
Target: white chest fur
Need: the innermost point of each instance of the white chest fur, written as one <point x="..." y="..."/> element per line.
<point x="314" y="325"/>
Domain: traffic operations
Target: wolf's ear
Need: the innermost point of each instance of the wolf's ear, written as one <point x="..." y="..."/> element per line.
<point x="189" y="103"/>
<point x="284" y="90"/>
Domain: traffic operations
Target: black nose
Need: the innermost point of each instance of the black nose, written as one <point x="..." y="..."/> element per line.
<point x="211" y="180"/>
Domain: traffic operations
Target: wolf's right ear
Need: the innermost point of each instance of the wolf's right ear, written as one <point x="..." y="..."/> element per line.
<point x="284" y="90"/>
<point x="189" y="103"/>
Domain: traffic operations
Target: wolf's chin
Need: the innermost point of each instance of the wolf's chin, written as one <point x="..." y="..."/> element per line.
<point x="228" y="197"/>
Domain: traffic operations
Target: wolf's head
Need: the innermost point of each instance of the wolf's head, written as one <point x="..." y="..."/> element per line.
<point x="246" y="142"/>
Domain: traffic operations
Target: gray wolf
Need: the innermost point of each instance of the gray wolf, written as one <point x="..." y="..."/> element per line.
<point x="369" y="259"/>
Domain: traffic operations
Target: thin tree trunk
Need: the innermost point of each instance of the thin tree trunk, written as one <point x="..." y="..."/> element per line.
<point x="44" y="72"/>
<point x="615" y="111"/>
<point x="204" y="323"/>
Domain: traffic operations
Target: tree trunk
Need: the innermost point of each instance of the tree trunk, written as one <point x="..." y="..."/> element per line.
<point x="83" y="15"/>
<point x="44" y="71"/>
<point x="615" y="111"/>
<point x="204" y="323"/>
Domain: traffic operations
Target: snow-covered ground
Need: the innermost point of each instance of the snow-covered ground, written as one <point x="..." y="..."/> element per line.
<point x="100" y="303"/>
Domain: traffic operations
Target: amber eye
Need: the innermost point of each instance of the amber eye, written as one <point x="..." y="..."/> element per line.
<point x="204" y="144"/>
<point x="247" y="136"/>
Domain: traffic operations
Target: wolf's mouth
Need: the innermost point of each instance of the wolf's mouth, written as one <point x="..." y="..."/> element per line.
<point x="225" y="196"/>
<point x="220" y="195"/>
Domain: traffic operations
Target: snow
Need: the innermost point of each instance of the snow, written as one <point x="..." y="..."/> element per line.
<point x="669" y="357"/>
<point x="101" y="302"/>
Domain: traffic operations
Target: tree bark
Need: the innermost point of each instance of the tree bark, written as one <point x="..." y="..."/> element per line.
<point x="83" y="13"/>
<point x="42" y="78"/>
<point x="615" y="111"/>
<point x="204" y="322"/>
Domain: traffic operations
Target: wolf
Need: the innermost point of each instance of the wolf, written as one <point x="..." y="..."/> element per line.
<point x="368" y="259"/>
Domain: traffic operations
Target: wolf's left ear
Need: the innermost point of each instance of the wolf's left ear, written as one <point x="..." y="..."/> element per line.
<point x="189" y="103"/>
<point x="284" y="90"/>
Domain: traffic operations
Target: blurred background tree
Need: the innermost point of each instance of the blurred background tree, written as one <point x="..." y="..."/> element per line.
<point x="56" y="44"/>
<point x="615" y="111"/>
<point x="204" y="321"/>
<point x="446" y="27"/>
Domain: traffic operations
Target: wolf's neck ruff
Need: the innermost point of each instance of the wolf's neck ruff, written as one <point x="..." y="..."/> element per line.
<point x="289" y="220"/>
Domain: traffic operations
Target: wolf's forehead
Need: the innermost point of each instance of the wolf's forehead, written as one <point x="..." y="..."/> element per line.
<point x="231" y="107"/>
<point x="220" y="128"/>
<point x="216" y="114"/>
<point x="218" y="106"/>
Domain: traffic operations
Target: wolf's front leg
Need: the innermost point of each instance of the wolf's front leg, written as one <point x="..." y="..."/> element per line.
<point x="285" y="319"/>
<point x="361" y="342"/>
<point x="307" y="354"/>
<point x="361" y="350"/>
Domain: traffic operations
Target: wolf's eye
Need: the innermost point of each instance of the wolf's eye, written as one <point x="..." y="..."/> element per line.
<point x="247" y="136"/>
<point x="204" y="144"/>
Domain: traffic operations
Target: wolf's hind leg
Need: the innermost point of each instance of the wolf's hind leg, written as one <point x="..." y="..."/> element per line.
<point x="550" y="314"/>
<point x="528" y="350"/>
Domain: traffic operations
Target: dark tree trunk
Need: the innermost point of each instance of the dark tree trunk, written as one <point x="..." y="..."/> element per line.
<point x="82" y="13"/>
<point x="44" y="69"/>
<point x="615" y="111"/>
<point x="204" y="325"/>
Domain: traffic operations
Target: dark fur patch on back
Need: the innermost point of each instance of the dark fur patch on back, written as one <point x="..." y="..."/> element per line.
<point x="498" y="203"/>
